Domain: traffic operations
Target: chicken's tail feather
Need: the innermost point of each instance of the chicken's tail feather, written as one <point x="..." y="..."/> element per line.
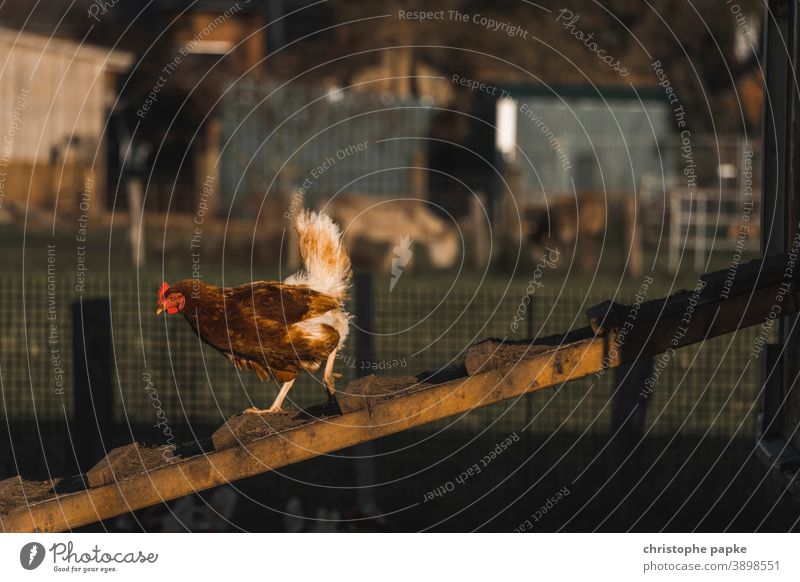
<point x="326" y="264"/>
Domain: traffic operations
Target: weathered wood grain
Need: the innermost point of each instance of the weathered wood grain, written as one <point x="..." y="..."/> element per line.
<point x="495" y="353"/>
<point x="371" y="390"/>
<point x="126" y="461"/>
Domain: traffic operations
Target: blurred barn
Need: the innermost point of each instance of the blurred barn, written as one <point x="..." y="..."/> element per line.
<point x="56" y="97"/>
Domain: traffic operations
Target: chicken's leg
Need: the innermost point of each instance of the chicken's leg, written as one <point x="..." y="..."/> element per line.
<point x="276" y="406"/>
<point x="328" y="377"/>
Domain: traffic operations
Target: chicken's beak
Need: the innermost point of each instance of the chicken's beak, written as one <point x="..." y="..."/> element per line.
<point x="159" y="309"/>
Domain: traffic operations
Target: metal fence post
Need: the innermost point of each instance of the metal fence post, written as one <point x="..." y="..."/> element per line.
<point x="92" y="358"/>
<point x="364" y="454"/>
<point x="363" y="331"/>
<point x="629" y="405"/>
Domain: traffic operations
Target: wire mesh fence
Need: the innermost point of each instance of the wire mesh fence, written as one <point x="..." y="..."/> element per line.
<point x="167" y="387"/>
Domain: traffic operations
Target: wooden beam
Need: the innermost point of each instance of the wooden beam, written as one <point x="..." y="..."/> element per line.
<point x="504" y="370"/>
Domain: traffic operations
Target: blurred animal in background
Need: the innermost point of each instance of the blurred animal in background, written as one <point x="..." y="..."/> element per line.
<point x="373" y="228"/>
<point x="276" y="329"/>
<point x="402" y="256"/>
<point x="567" y="221"/>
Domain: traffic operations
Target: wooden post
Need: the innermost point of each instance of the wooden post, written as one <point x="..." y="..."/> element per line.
<point x="511" y="213"/>
<point x="623" y="456"/>
<point x="675" y="222"/>
<point x="364" y="454"/>
<point x="210" y="165"/>
<point x="364" y="339"/>
<point x="700" y="229"/>
<point x="634" y="237"/>
<point x="133" y="172"/>
<point x="419" y="175"/>
<point x="773" y="393"/>
<point x="629" y="403"/>
<point x="134" y="188"/>
<point x="480" y="226"/>
<point x="94" y="381"/>
<point x="291" y="242"/>
<point x="780" y="208"/>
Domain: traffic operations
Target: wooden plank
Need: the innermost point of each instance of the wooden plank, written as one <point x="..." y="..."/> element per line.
<point x="544" y="368"/>
<point x="319" y="437"/>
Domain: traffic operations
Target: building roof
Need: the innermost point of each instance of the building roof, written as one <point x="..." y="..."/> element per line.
<point x="587" y="91"/>
<point x="116" y="61"/>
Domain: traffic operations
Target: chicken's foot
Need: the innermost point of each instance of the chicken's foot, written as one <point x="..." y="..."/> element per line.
<point x="276" y="406"/>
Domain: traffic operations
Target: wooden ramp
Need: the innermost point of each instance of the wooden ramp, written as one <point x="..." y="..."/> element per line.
<point x="133" y="477"/>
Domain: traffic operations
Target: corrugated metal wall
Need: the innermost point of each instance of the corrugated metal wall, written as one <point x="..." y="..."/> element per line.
<point x="605" y="146"/>
<point x="310" y="136"/>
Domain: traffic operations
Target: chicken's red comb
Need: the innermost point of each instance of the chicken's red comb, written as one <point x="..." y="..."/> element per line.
<point x="162" y="290"/>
